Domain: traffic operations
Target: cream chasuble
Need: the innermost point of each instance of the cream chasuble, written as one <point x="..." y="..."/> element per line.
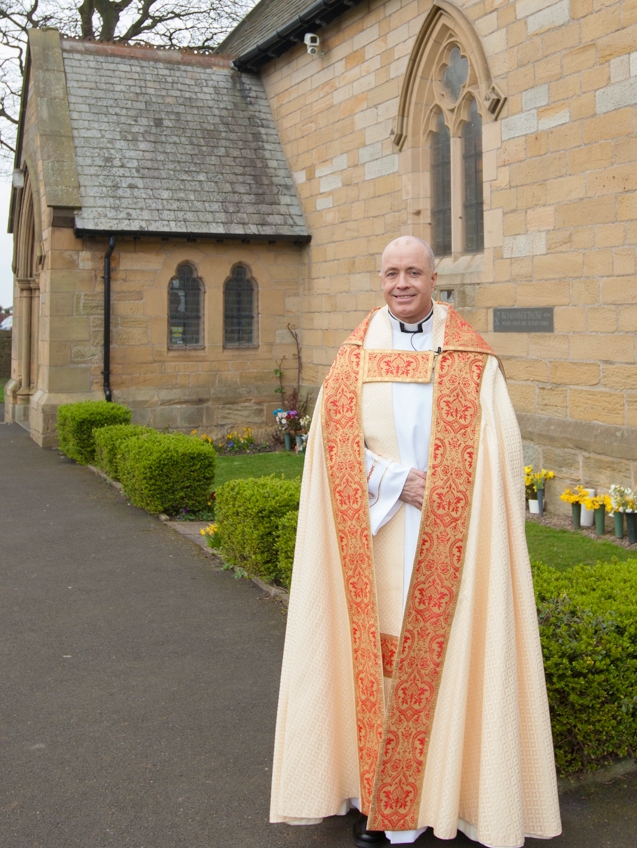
<point x="480" y="738"/>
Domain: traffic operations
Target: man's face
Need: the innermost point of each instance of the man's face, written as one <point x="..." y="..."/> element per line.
<point x="407" y="279"/>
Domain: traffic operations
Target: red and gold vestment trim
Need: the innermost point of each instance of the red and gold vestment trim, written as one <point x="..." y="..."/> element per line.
<point x="389" y="649"/>
<point x="393" y="742"/>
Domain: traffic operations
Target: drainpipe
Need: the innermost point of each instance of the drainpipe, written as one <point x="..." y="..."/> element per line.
<point x="107" y="319"/>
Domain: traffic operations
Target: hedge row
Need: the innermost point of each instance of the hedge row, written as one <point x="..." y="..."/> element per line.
<point x="256" y="521"/>
<point x="587" y="617"/>
<point x="588" y="628"/>
<point x="77" y="421"/>
<point x="159" y="472"/>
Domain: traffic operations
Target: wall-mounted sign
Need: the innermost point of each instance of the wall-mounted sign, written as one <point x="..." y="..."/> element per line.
<point x="523" y="320"/>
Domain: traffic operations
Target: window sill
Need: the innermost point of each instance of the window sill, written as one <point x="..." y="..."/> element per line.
<point x="466" y="263"/>
<point x="186" y="347"/>
<point x="241" y="347"/>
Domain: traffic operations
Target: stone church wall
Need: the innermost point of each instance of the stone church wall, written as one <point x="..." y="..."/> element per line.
<point x="560" y="204"/>
<point x="214" y="388"/>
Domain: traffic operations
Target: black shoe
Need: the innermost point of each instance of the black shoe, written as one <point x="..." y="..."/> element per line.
<point x="364" y="838"/>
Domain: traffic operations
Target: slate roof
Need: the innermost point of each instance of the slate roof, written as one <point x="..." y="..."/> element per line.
<point x="266" y="17"/>
<point x="171" y="143"/>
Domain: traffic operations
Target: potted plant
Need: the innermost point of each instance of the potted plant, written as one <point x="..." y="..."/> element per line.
<point x="575" y="500"/>
<point x="599" y="504"/>
<point x="534" y="486"/>
<point x="619" y="496"/>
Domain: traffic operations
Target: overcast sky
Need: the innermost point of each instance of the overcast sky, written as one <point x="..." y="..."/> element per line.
<point x="6" y="243"/>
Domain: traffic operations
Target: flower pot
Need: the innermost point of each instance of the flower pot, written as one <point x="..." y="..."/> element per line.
<point x="618" y="518"/>
<point x="631" y="525"/>
<point x="600" y="517"/>
<point x="534" y="506"/>
<point x="576" y="514"/>
<point x="588" y="517"/>
<point x="288" y="441"/>
<point x="540" y="501"/>
<point x="299" y="440"/>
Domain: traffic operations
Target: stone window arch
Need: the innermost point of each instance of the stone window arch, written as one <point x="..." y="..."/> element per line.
<point x="185" y="308"/>
<point x="240" y="295"/>
<point x="447" y="96"/>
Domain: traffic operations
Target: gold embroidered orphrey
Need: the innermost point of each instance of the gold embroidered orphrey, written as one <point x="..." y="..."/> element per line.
<point x="393" y="740"/>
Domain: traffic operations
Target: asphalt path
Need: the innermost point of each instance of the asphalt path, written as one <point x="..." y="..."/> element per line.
<point x="138" y="683"/>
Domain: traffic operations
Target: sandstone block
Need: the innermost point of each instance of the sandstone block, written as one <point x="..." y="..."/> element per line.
<point x="619" y="290"/>
<point x="575" y="373"/>
<point x="618" y="347"/>
<point x="523" y="396"/>
<point x="603" y="406"/>
<point x="606" y="470"/>
<point x="565" y="463"/>
<point x="535" y="370"/>
<point x="569" y="319"/>
<point x="622" y="378"/>
<point x="552" y="401"/>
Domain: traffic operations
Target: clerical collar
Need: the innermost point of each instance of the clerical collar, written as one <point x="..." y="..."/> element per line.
<point x="411" y="328"/>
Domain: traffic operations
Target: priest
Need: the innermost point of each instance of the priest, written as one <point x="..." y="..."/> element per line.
<point x="412" y="686"/>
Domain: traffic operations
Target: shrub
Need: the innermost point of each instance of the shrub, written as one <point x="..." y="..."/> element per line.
<point x="109" y="441"/>
<point x="588" y="627"/>
<point x="77" y="421"/>
<point x="167" y="472"/>
<point x="285" y="542"/>
<point x="248" y="513"/>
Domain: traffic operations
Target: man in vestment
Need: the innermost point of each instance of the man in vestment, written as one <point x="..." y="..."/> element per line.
<point x="412" y="685"/>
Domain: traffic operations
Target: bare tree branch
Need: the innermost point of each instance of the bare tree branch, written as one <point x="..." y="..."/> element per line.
<point x="196" y="24"/>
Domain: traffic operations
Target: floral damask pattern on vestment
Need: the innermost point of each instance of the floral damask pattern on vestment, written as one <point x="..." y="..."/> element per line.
<point x="393" y="743"/>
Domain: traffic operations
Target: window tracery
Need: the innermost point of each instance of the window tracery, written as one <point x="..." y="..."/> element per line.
<point x="447" y="96"/>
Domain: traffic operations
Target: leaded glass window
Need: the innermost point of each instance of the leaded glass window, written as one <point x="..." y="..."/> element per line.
<point x="473" y="205"/>
<point x="185" y="298"/>
<point x="239" y="309"/>
<point x="441" y="188"/>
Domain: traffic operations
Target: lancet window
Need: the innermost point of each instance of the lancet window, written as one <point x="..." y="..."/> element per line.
<point x="448" y="94"/>
<point x="240" y="309"/>
<point x="185" y="308"/>
<point x="455" y="144"/>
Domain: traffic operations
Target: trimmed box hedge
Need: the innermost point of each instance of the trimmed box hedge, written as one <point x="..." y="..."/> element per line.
<point x="588" y="628"/>
<point x="285" y="543"/>
<point x="108" y="444"/>
<point x="587" y="617"/>
<point x="76" y="423"/>
<point x="248" y="513"/>
<point x="167" y="472"/>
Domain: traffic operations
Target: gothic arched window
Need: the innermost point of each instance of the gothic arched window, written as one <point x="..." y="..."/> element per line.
<point x="447" y="95"/>
<point x="185" y="308"/>
<point x="473" y="203"/>
<point x="441" y="188"/>
<point x="239" y="309"/>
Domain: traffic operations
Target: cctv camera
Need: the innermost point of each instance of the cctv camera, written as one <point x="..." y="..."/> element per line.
<point x="312" y="43"/>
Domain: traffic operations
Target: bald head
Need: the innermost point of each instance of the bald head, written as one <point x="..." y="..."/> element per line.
<point x="409" y="242"/>
<point x="408" y="277"/>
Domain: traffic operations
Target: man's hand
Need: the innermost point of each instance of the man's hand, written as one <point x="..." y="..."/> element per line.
<point x="414" y="489"/>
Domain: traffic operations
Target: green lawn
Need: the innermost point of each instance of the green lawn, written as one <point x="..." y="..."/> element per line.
<point x="563" y="548"/>
<point x="257" y="465"/>
<point x="559" y="548"/>
<point x="3" y="380"/>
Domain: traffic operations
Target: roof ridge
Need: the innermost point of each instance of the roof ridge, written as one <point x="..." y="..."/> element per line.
<point x="177" y="56"/>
